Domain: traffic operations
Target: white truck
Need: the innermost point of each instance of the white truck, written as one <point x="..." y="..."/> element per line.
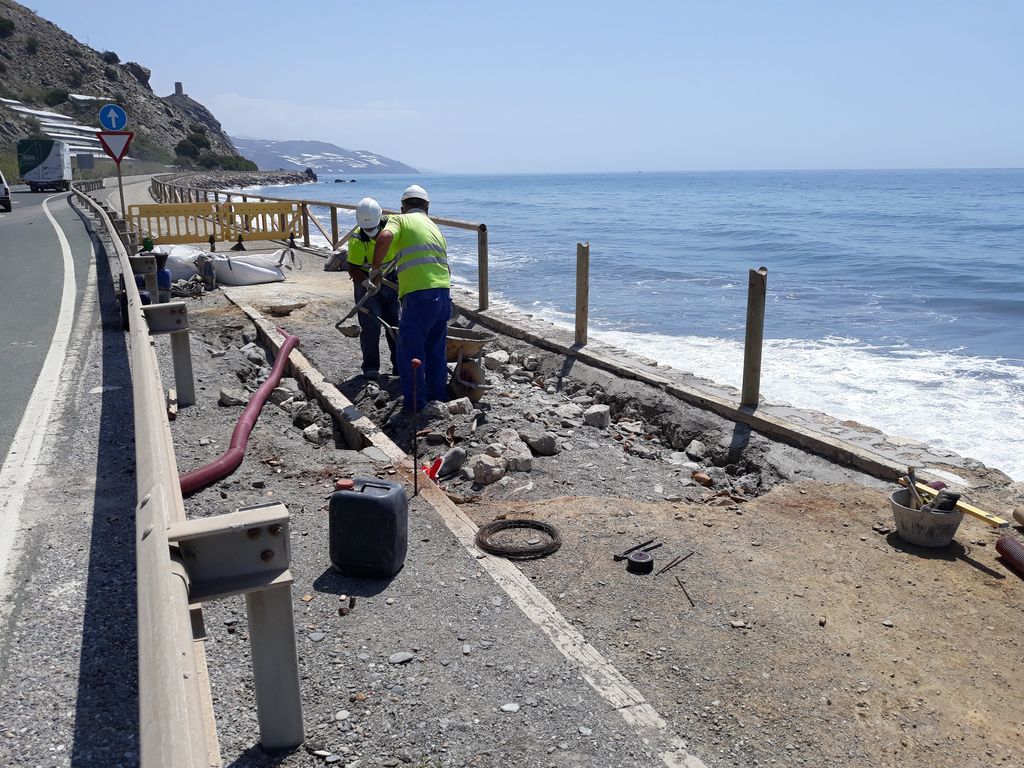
<point x="45" y="164"/>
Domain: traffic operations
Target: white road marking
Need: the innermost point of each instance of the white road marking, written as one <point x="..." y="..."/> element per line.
<point x="20" y="465"/>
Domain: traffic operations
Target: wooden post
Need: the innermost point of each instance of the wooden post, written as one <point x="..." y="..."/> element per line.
<point x="305" y="225"/>
<point x="756" y="291"/>
<point x="334" y="228"/>
<point x="582" y="292"/>
<point x="481" y="267"/>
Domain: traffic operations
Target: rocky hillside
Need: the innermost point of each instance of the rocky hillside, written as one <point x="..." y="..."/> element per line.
<point x="321" y="156"/>
<point x="45" y="68"/>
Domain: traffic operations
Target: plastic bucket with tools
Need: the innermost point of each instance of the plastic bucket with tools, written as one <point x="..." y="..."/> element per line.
<point x="922" y="526"/>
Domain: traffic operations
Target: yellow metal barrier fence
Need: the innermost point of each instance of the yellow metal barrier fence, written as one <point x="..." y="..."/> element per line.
<point x="260" y="221"/>
<point x="198" y="222"/>
<point x="176" y="222"/>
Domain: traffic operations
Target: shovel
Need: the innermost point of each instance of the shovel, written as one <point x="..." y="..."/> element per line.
<point x="359" y="304"/>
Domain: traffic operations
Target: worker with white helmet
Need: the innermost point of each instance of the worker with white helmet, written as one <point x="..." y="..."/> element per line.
<point x="383" y="304"/>
<point x="420" y="254"/>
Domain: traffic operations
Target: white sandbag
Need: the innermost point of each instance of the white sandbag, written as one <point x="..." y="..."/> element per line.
<point x="181" y="260"/>
<point x="249" y="269"/>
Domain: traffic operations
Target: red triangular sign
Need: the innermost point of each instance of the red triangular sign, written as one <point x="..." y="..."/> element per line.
<point x="115" y="143"/>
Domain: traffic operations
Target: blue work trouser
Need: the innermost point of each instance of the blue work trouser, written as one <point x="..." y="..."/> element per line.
<point x="383" y="305"/>
<point x="423" y="332"/>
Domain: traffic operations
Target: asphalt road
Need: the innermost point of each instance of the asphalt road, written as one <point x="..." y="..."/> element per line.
<point x="30" y="294"/>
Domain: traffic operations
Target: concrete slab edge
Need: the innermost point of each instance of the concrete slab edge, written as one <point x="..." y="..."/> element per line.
<point x="594" y="668"/>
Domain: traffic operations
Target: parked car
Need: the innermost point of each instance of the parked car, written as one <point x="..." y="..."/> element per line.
<point x="5" y="194"/>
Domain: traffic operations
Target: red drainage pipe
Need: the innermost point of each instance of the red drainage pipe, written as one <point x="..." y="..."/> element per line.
<point x="232" y="457"/>
<point x="1012" y="552"/>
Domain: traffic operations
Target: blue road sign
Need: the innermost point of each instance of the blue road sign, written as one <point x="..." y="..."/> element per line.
<point x="113" y="117"/>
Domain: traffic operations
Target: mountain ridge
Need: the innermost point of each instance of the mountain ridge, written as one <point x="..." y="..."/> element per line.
<point x="321" y="156"/>
<point x="43" y="67"/>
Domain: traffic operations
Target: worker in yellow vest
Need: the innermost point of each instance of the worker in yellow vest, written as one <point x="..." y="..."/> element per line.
<point x="383" y="304"/>
<point x="424" y="281"/>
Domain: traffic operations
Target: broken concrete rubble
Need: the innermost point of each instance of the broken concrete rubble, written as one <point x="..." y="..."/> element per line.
<point x="598" y="416"/>
<point x="487" y="469"/>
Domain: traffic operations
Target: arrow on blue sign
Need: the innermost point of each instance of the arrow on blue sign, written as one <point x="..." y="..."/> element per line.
<point x="113" y="117"/>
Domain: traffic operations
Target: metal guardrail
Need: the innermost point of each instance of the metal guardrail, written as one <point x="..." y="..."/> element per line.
<point x="181" y="563"/>
<point x="166" y="191"/>
<point x="88" y="185"/>
<point x="175" y="713"/>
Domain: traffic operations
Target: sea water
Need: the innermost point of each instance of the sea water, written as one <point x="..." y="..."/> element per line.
<point x="895" y="298"/>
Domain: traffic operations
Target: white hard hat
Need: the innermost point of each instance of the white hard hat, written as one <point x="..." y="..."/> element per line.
<point x="368" y="213"/>
<point x="415" y="192"/>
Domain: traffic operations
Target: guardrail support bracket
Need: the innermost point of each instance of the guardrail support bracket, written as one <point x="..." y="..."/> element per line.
<point x="248" y="552"/>
<point x="146" y="266"/>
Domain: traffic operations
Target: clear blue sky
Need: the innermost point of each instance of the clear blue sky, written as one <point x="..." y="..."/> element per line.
<point x="559" y="85"/>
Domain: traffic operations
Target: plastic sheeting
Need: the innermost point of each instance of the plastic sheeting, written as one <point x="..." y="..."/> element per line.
<point x="184" y="261"/>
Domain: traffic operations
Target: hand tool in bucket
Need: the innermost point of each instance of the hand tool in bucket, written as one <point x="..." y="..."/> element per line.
<point x="927" y="492"/>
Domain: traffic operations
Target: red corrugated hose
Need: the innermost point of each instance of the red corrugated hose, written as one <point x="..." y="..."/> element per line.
<point x="1012" y="552"/>
<point x="228" y="461"/>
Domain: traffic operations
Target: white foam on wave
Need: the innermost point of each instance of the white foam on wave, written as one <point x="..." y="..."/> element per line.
<point x="971" y="405"/>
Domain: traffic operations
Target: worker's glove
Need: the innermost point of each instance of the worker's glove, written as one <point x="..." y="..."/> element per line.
<point x="376" y="276"/>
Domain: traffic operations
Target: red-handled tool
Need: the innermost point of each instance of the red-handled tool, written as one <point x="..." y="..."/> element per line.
<point x="415" y="429"/>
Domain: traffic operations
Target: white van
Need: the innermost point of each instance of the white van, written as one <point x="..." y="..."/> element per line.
<point x="45" y="164"/>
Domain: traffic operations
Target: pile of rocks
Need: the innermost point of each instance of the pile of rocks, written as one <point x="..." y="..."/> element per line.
<point x="252" y="368"/>
<point x="528" y="417"/>
<point x="237" y="179"/>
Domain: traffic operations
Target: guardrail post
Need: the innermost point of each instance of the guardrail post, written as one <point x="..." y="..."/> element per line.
<point x="757" y="288"/>
<point x="334" y="228"/>
<point x="275" y="667"/>
<point x="248" y="552"/>
<point x="184" y="380"/>
<point x="145" y="266"/>
<point x="305" y="225"/>
<point x="483" y="288"/>
<point x="582" y="292"/>
<point x="172" y="318"/>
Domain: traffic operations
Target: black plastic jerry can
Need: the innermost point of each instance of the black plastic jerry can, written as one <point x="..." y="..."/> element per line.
<point x="369" y="528"/>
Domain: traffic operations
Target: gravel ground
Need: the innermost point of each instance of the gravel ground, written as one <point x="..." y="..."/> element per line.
<point x="787" y="656"/>
<point x="472" y="653"/>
